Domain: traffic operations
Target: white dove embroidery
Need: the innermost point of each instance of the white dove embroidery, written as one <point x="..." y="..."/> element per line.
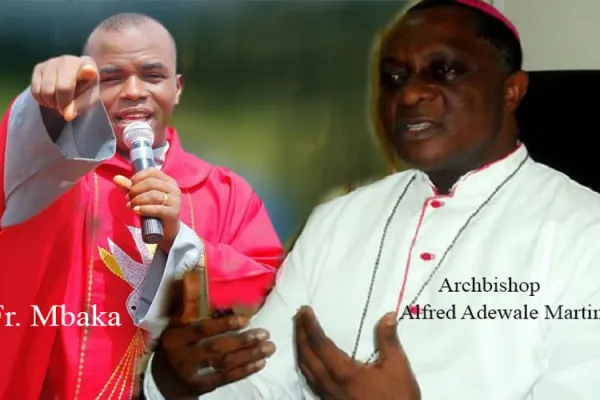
<point x="131" y="271"/>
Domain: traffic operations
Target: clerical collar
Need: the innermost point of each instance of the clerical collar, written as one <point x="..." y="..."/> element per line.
<point x="486" y="178"/>
<point x="160" y="153"/>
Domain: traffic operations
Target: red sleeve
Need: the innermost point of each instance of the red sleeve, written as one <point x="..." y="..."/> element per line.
<point x="242" y="267"/>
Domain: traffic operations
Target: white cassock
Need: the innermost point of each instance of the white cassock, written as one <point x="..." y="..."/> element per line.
<point x="512" y="260"/>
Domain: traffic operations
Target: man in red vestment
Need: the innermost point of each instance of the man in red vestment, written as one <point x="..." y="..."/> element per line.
<point x="80" y="291"/>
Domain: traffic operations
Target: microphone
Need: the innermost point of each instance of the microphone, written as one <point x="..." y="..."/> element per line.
<point x="139" y="137"/>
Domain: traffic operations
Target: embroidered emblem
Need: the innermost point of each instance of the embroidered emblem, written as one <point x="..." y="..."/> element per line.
<point x="131" y="271"/>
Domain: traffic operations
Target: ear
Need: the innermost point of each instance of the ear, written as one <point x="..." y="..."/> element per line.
<point x="515" y="89"/>
<point x="179" y="89"/>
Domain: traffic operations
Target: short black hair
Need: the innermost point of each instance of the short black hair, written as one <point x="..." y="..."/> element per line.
<point x="489" y="29"/>
<point x="120" y="22"/>
<point x="123" y="21"/>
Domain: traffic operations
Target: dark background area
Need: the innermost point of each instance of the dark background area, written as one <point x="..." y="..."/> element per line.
<point x="559" y="122"/>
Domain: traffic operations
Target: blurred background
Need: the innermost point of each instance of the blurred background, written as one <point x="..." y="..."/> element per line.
<point x="275" y="90"/>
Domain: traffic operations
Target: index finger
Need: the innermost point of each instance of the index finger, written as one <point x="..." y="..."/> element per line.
<point x="88" y="70"/>
<point x="317" y="375"/>
<point x="334" y="359"/>
<point x="86" y="77"/>
<point x="122" y="182"/>
<point x="179" y="334"/>
<point x="147" y="173"/>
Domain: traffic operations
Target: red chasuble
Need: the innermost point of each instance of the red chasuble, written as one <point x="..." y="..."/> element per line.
<point x="85" y="252"/>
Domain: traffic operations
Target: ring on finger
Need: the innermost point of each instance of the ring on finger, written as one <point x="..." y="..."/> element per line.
<point x="164" y="203"/>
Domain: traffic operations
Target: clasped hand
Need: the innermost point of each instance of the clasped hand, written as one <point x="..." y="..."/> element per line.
<point x="195" y="356"/>
<point x="333" y="375"/>
<point x="152" y="193"/>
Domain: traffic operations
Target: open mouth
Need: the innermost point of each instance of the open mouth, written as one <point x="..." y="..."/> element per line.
<point x="133" y="118"/>
<point x="419" y="127"/>
<point x="417" y="130"/>
<point x="127" y="117"/>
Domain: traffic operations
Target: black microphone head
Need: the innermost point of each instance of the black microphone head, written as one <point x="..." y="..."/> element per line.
<point x="138" y="130"/>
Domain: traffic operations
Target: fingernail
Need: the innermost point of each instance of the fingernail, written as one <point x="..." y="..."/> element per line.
<point x="243" y="321"/>
<point x="128" y="204"/>
<point x="88" y="68"/>
<point x="69" y="113"/>
<point x="267" y="349"/>
<point x="260" y="364"/>
<point x="261" y="335"/>
<point x="127" y="198"/>
<point x="237" y="322"/>
<point x="390" y="319"/>
<point x="136" y="209"/>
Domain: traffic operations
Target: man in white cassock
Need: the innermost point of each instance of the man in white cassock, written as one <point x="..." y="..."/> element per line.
<point x="487" y="260"/>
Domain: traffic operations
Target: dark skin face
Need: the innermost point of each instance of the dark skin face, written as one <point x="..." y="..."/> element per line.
<point x="446" y="100"/>
<point x="138" y="78"/>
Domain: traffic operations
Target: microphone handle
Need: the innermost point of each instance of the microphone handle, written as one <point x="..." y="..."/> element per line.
<point x="152" y="228"/>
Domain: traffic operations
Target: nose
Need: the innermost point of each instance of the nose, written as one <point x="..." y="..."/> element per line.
<point x="134" y="89"/>
<point x="416" y="91"/>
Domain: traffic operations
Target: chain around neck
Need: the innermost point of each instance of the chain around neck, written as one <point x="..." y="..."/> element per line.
<point x="437" y="267"/>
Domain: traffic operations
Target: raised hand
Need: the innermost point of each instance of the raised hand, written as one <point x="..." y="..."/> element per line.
<point x="333" y="375"/>
<point x="196" y="356"/>
<point x="67" y="84"/>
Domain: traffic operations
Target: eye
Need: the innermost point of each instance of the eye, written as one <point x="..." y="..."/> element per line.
<point x="110" y="80"/>
<point x="154" y="77"/>
<point x="445" y="71"/>
<point x="392" y="79"/>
